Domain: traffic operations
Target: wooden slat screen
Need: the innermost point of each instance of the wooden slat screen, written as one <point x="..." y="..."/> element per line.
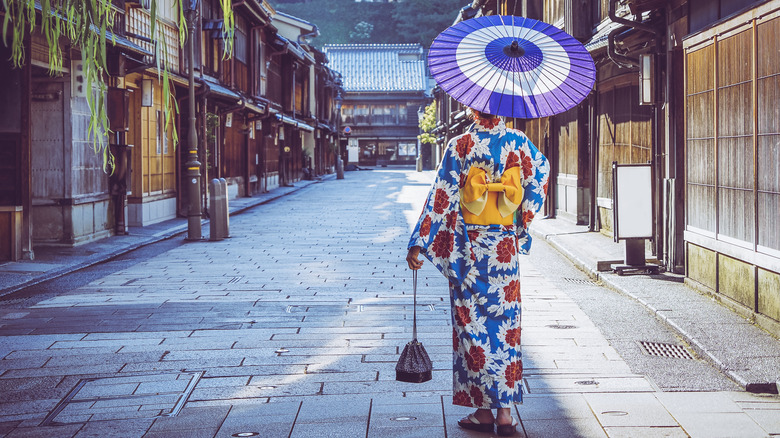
<point x="624" y="132"/>
<point x="768" y="148"/>
<point x="733" y="93"/>
<point x="567" y="142"/>
<point x="700" y="144"/>
<point x="736" y="216"/>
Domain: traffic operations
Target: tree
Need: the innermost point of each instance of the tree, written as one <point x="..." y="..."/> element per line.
<point x="427" y="123"/>
<point x="362" y="31"/>
<point x="86" y="24"/>
<point x="420" y="21"/>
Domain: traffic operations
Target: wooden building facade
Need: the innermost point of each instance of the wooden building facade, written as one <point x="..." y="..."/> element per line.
<point x="703" y="113"/>
<point x="251" y="107"/>
<point x="385" y="87"/>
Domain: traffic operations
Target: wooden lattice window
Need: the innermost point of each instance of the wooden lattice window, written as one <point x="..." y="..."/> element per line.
<point x="733" y="138"/>
<point x="768" y="138"/>
<point x="700" y="144"/>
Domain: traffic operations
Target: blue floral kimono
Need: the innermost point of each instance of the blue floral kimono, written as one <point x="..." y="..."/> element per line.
<point x="480" y="261"/>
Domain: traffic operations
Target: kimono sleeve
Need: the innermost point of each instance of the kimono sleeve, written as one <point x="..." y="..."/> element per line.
<point x="536" y="170"/>
<point x="440" y="230"/>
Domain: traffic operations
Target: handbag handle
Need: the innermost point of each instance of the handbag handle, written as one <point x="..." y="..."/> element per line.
<point x="414" y="309"/>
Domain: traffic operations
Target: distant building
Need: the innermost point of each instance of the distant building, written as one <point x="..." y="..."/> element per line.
<point x="385" y="86"/>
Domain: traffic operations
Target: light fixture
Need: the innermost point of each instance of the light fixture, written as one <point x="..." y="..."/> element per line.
<point x="147" y="93"/>
<point x="646" y="82"/>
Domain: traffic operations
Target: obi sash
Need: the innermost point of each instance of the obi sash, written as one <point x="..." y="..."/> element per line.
<point x="485" y="202"/>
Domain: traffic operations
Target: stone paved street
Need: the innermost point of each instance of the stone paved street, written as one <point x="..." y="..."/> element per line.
<point x="292" y="327"/>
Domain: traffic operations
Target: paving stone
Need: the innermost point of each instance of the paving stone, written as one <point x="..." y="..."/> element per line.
<point x="719" y="424"/>
<point x="564" y="427"/>
<point x="645" y="432"/>
<point x="551" y="407"/>
<point x="334" y="430"/>
<point x="126" y="428"/>
<point x="191" y="418"/>
<point x="630" y="410"/>
<point x="40" y="431"/>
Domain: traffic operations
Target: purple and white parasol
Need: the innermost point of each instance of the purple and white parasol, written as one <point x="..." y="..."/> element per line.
<point x="512" y="66"/>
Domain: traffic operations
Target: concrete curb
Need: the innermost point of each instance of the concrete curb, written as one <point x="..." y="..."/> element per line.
<point x="755" y="387"/>
<point x="159" y="237"/>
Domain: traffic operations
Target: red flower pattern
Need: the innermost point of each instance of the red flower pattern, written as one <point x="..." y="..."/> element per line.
<point x="461" y="398"/>
<point x="443" y="243"/>
<point x="473" y="234"/>
<point x="512" y="291"/>
<point x="477" y="396"/>
<point x="462" y="316"/>
<point x="425" y="227"/>
<point x="452" y="219"/>
<point x="512" y="337"/>
<point x="505" y="250"/>
<point x="513" y="373"/>
<point x="462" y="180"/>
<point x="511" y="161"/>
<point x="488" y="123"/>
<point x="528" y="216"/>
<point x="441" y="202"/>
<point x="454" y="339"/>
<point x="528" y="166"/>
<point x="475" y="358"/>
<point x="464" y="145"/>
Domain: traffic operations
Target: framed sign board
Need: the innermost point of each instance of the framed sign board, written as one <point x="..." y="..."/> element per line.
<point x="632" y="201"/>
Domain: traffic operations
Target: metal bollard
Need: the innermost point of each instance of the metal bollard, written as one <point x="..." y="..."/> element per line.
<point x="216" y="195"/>
<point x="339" y="168"/>
<point x="225" y="209"/>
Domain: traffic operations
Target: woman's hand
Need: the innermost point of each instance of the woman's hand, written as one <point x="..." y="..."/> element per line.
<point x="412" y="260"/>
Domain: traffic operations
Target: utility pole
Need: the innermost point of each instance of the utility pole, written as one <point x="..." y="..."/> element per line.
<point x="192" y="165"/>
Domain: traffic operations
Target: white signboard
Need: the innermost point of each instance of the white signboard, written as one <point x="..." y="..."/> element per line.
<point x="632" y="201"/>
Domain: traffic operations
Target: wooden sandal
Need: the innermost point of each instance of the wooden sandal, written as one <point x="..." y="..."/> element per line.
<point x="507" y="429"/>
<point x="471" y="423"/>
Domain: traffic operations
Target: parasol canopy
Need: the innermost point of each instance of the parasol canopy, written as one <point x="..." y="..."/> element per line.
<point x="512" y="66"/>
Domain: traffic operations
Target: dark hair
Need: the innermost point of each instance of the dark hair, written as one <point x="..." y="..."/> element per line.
<point x="481" y="114"/>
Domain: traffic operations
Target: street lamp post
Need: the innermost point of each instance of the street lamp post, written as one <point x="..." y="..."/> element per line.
<point x="339" y="162"/>
<point x="419" y="161"/>
<point x="192" y="165"/>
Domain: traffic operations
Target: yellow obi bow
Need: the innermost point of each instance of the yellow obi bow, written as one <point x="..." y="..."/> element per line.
<point x="486" y="203"/>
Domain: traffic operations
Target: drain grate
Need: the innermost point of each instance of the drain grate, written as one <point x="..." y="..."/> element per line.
<point x="125" y="397"/>
<point x="579" y="281"/>
<point x="665" y="350"/>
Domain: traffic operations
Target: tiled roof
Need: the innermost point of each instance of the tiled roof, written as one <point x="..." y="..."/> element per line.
<point x="378" y="67"/>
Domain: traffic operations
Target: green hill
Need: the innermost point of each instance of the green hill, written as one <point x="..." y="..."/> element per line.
<point x="347" y="21"/>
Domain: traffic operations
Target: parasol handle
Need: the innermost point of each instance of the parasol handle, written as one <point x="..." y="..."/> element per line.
<point x="414" y="309"/>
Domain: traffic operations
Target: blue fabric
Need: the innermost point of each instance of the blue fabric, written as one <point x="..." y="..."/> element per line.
<point x="480" y="261"/>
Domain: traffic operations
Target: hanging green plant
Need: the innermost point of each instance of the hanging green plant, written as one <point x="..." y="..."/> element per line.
<point x="86" y="23"/>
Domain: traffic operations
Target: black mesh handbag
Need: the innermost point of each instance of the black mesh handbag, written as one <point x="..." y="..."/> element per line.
<point x="414" y="365"/>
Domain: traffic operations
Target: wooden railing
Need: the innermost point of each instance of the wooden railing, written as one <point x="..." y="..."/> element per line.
<point x="138" y="22"/>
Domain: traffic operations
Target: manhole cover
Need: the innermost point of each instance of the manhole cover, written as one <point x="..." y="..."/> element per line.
<point x="125" y="397"/>
<point x="561" y="326"/>
<point x="665" y="350"/>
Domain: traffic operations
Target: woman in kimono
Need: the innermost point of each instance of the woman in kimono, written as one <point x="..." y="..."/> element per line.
<point x="490" y="184"/>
